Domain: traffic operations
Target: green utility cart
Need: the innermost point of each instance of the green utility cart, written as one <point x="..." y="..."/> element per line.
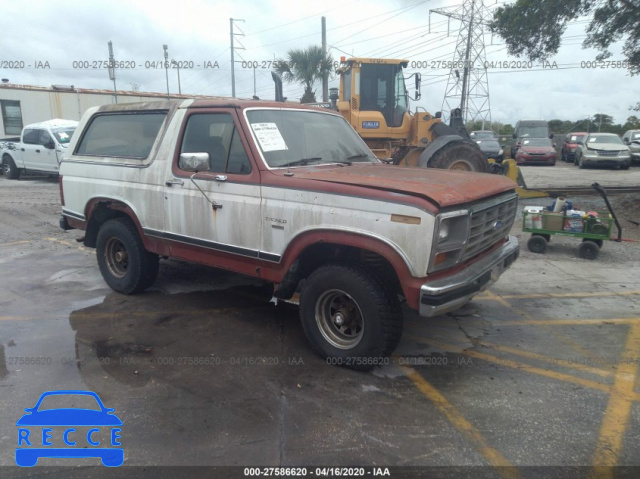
<point x="594" y="229"/>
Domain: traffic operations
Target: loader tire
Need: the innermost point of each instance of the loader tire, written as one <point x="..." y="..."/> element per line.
<point x="460" y="156"/>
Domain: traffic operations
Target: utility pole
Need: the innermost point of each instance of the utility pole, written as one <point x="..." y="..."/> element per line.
<point x="325" y="74"/>
<point x="233" y="47"/>
<point x="173" y="62"/>
<point x="166" y="66"/>
<point x="112" y="71"/>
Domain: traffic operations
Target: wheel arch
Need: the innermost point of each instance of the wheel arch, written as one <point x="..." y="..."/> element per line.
<point x="100" y="210"/>
<point x="311" y="249"/>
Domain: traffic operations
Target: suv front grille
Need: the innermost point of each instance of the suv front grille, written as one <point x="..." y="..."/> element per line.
<point x="490" y="222"/>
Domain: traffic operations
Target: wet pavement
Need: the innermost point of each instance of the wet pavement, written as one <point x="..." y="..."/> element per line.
<point x="541" y="370"/>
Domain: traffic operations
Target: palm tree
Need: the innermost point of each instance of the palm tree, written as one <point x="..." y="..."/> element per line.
<point x="305" y="66"/>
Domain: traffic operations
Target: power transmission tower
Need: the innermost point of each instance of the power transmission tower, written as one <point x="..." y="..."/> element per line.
<point x="468" y="84"/>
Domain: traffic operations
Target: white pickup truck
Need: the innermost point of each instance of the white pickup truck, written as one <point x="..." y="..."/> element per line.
<point x="41" y="148"/>
<point x="291" y="195"/>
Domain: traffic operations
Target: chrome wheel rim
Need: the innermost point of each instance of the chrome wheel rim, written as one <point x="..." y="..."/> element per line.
<point x="117" y="258"/>
<point x="339" y="319"/>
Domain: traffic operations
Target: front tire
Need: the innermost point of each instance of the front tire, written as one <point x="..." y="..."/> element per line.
<point x="349" y="317"/>
<point x="126" y="266"/>
<point x="459" y="156"/>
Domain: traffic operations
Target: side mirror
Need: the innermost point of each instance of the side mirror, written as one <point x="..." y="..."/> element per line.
<point x="551" y="135"/>
<point x="438" y="114"/>
<point x="50" y="145"/>
<point x="626" y="140"/>
<point x="418" y="81"/>
<point x="514" y="136"/>
<point x="194" y="162"/>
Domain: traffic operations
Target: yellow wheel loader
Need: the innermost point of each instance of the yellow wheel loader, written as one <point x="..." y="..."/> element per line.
<point x="373" y="98"/>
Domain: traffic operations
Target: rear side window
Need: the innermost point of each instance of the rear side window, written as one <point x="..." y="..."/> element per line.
<point x="30" y="137"/>
<point x="127" y="135"/>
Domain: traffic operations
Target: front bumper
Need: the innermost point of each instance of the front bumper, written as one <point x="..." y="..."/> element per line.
<point x="451" y="292"/>
<point x="606" y="160"/>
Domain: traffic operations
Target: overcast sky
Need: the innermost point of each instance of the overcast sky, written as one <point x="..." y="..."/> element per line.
<point x="57" y="34"/>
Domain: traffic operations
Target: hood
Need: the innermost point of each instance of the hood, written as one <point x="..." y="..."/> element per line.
<point x="442" y="187"/>
<point x="606" y="147"/>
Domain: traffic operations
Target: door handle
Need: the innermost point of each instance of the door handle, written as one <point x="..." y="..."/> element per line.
<point x="220" y="177"/>
<point x="175" y="181"/>
<point x="21" y="149"/>
<point x="37" y="151"/>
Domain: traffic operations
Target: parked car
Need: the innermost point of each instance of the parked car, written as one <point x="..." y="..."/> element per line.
<point x="631" y="138"/>
<point x="570" y="145"/>
<point x="491" y="149"/>
<point x="41" y="148"/>
<point x="603" y="149"/>
<point x="529" y="129"/>
<point x="536" y="151"/>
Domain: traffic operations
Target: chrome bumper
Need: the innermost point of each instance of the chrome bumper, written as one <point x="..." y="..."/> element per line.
<point x="451" y="292"/>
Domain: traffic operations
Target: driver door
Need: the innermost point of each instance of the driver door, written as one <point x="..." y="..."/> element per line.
<point x="233" y="183"/>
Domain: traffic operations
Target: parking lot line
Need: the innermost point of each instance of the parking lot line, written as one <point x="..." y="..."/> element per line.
<point x="618" y="412"/>
<point x="487" y="295"/>
<point x="568" y="322"/>
<point x="12" y="243"/>
<point x="569" y="342"/>
<point x="514" y="364"/>
<point x="493" y="456"/>
<point x="549" y="359"/>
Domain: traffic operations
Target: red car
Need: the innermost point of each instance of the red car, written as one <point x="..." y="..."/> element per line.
<point x="570" y="145"/>
<point x="536" y="151"/>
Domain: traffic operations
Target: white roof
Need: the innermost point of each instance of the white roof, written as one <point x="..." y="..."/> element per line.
<point x="56" y="123"/>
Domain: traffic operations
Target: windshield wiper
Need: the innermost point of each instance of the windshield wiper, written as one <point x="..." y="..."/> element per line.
<point x="300" y="162"/>
<point x="359" y="155"/>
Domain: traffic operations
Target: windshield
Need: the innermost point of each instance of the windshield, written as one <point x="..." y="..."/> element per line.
<point x="635" y="136"/>
<point x="488" y="144"/>
<point x="63" y="135"/>
<point x="482" y="134"/>
<point x="533" y="131"/>
<point x="382" y="89"/>
<point x="536" y="142"/>
<point x="289" y="137"/>
<point x="612" y="139"/>
<point x="575" y="138"/>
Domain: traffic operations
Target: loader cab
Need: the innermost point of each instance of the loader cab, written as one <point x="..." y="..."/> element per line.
<point x="373" y="95"/>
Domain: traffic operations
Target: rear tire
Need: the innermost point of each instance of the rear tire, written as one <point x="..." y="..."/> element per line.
<point x="126" y="266"/>
<point x="350" y="318"/>
<point x="588" y="250"/>
<point x="10" y="168"/>
<point x="459" y="156"/>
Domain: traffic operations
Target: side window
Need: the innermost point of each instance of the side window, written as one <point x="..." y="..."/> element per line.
<point x="215" y="134"/>
<point x="30" y="137"/>
<point x="239" y="163"/>
<point x="44" y="137"/>
<point x="127" y="135"/>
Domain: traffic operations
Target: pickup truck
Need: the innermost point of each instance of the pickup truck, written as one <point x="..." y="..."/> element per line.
<point x="292" y="196"/>
<point x="41" y="148"/>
